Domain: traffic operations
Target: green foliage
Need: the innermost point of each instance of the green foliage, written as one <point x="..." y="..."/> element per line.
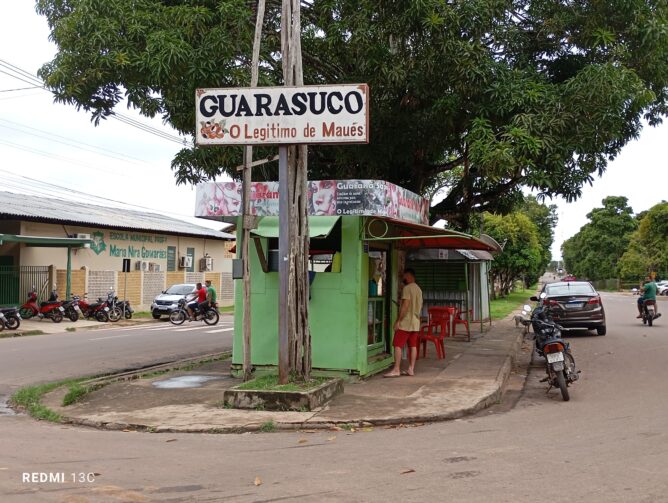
<point x="268" y="426"/>
<point x="29" y="399"/>
<point x="270" y="382"/>
<point x="593" y="253"/>
<point x="75" y="393"/>
<point x="502" y="307"/>
<point x="505" y="94"/>
<point x="648" y="247"/>
<point x="522" y="254"/>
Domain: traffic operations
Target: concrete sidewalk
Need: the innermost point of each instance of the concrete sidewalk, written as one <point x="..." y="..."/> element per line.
<point x="470" y="378"/>
<point x="35" y="326"/>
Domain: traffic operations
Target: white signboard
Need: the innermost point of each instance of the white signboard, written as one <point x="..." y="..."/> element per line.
<point x="283" y="115"/>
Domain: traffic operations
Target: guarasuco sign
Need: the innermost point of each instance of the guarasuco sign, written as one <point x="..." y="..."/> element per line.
<point x="283" y="115"/>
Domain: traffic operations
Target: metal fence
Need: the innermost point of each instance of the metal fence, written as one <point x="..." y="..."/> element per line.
<point x="16" y="282"/>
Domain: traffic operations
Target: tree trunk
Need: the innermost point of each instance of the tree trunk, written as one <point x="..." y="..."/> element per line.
<point x="247" y="224"/>
<point x="299" y="337"/>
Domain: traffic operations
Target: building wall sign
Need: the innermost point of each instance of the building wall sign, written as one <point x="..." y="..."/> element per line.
<point x="325" y="198"/>
<point x="283" y="115"/>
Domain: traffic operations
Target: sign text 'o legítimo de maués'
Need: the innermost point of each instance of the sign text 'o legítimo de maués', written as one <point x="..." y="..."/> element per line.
<point x="283" y="115"/>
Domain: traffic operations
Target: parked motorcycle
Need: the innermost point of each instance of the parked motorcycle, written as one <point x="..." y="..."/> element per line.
<point x="51" y="309"/>
<point x="12" y="318"/>
<point x="97" y="310"/>
<point x="180" y="314"/>
<point x="559" y="361"/>
<point x="72" y="309"/>
<point x="118" y="308"/>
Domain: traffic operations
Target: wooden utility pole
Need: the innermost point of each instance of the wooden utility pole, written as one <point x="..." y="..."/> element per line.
<point x="294" y="340"/>
<point x="248" y="221"/>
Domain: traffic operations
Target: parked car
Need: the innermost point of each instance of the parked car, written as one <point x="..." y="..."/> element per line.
<point x="576" y="304"/>
<point x="168" y="300"/>
<point x="662" y="287"/>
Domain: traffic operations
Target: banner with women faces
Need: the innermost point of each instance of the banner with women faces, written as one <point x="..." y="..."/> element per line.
<point x="325" y="198"/>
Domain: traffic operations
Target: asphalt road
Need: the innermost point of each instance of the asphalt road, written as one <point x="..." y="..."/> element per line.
<point x="608" y="444"/>
<point x="44" y="358"/>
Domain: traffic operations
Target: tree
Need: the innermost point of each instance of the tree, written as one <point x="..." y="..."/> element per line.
<point x="648" y="247"/>
<point x="594" y="252"/>
<point x="545" y="218"/>
<point x="502" y="93"/>
<point x="522" y="253"/>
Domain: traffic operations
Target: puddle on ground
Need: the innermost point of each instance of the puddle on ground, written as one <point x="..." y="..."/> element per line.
<point x="184" y="382"/>
<point x="5" y="410"/>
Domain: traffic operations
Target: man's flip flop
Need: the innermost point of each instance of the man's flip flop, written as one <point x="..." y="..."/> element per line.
<point x="392" y="375"/>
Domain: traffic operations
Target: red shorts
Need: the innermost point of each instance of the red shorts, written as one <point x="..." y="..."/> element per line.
<point x="402" y="336"/>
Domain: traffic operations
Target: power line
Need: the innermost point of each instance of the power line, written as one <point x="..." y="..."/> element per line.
<point x="68" y="141"/>
<point x="20" y="89"/>
<point x="47" y="189"/>
<point x="23" y="75"/>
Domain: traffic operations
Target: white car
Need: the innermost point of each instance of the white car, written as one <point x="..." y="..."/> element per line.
<point x="662" y="287"/>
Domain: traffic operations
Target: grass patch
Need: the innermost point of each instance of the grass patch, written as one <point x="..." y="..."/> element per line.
<point x="226" y="309"/>
<point x="71" y="329"/>
<point x="270" y="383"/>
<point x="12" y="333"/>
<point x="76" y="392"/>
<point x="502" y="307"/>
<point x="142" y="314"/>
<point x="268" y="427"/>
<point x="29" y="399"/>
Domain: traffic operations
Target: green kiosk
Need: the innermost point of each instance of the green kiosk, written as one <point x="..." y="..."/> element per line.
<point x="360" y="232"/>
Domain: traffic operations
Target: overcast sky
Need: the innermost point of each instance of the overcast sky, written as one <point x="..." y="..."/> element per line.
<point x="145" y="178"/>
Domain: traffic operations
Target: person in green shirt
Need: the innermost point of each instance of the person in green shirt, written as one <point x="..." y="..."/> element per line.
<point x="649" y="295"/>
<point x="211" y="295"/>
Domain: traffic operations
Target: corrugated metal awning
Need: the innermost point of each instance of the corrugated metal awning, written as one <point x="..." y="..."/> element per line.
<point x="415" y="236"/>
<point x="318" y="227"/>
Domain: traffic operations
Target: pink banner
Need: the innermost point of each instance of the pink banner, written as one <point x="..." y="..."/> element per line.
<point x="325" y="197"/>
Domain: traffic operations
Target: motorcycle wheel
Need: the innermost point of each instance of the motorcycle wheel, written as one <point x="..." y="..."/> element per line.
<point x="101" y="316"/>
<point x="128" y="315"/>
<point x="650" y="320"/>
<point x="211" y="317"/>
<point x="561" y="381"/>
<point x="13" y="323"/>
<point x="115" y="314"/>
<point x="73" y="316"/>
<point x="2" y="325"/>
<point x="177" y="317"/>
<point x="56" y="317"/>
<point x="26" y="313"/>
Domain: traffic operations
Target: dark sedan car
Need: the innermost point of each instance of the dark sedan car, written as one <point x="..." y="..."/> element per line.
<point x="576" y="304"/>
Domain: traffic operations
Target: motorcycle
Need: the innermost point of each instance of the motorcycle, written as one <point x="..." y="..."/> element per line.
<point x="98" y="310"/>
<point x="51" y="309"/>
<point x="649" y="313"/>
<point x="72" y="309"/>
<point x="180" y="314"/>
<point x="12" y="318"/>
<point x="559" y="361"/>
<point x="118" y="308"/>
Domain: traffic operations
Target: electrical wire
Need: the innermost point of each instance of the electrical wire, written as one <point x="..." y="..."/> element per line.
<point x="34" y="80"/>
<point x="69" y="141"/>
<point x="20" y="89"/>
<point x="48" y="189"/>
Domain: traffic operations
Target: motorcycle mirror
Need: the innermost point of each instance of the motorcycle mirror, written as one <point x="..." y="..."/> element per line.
<point x="543" y="295"/>
<point x="533" y="298"/>
<point x="527" y="308"/>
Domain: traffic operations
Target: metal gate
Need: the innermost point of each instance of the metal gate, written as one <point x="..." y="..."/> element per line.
<point x="16" y="282"/>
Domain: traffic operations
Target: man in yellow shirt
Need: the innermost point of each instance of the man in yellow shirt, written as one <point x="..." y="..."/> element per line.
<point x="407" y="326"/>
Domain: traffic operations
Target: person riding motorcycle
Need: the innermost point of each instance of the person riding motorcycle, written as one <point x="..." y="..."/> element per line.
<point x="648" y="296"/>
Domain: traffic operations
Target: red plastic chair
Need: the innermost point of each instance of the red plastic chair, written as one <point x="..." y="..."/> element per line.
<point x="462" y="318"/>
<point x="435" y="331"/>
